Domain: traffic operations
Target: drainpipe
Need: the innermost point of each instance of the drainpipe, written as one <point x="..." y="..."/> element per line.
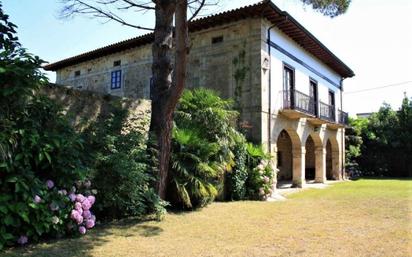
<point x="342" y="137"/>
<point x="270" y="90"/>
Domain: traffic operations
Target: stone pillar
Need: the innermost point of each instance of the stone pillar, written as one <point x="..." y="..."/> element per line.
<point x="320" y="159"/>
<point x="298" y="167"/>
<point x="336" y="165"/>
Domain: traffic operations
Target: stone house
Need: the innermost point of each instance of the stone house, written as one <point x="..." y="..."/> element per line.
<point x="287" y="84"/>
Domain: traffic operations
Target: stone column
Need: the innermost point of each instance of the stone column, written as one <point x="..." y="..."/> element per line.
<point x="336" y="165"/>
<point x="298" y="167"/>
<point x="320" y="159"/>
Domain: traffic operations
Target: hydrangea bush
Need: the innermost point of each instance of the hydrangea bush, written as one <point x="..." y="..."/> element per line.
<point x="40" y="153"/>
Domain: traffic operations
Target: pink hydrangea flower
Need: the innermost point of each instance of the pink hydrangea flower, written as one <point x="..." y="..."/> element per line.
<point x="91" y="199"/>
<point x="82" y="230"/>
<point x="72" y="197"/>
<point x="261" y="191"/>
<point x="79" y="219"/>
<point x="80" y="198"/>
<point x="266" y="179"/>
<point x="90" y="224"/>
<point x="37" y="199"/>
<point x="22" y="240"/>
<point x="74" y="214"/>
<point x="78" y="206"/>
<point x="86" y="204"/>
<point x="50" y="184"/>
<point x="87" y="214"/>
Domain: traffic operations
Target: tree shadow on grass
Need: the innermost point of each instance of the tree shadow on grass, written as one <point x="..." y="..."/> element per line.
<point x="83" y="246"/>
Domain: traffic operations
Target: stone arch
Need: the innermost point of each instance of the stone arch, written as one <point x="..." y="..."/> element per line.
<point x="293" y="156"/>
<point x="333" y="155"/>
<point x="310" y="161"/>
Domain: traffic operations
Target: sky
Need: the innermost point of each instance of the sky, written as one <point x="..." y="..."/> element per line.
<point x="374" y="38"/>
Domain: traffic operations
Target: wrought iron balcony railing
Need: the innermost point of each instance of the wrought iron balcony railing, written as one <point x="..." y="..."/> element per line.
<point x="343" y="117"/>
<point x="295" y="100"/>
<point x="327" y="112"/>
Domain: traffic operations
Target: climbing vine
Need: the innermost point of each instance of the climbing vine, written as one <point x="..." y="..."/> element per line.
<point x="240" y="72"/>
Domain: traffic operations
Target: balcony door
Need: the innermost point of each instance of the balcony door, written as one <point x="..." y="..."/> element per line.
<point x="289" y="86"/>
<point x="332" y="105"/>
<point x="313" y="94"/>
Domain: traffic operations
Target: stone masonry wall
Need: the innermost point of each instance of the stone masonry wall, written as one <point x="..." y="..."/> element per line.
<point x="84" y="108"/>
<point x="231" y="67"/>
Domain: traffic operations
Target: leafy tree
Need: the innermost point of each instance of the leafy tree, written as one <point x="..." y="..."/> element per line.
<point x="168" y="77"/>
<point x="386" y="142"/>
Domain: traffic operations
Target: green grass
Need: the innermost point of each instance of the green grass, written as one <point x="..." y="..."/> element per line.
<point x="360" y="218"/>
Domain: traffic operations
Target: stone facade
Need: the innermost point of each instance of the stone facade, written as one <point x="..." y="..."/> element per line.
<point x="236" y="60"/>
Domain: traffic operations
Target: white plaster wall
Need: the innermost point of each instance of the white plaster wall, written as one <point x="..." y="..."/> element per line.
<point x="302" y="74"/>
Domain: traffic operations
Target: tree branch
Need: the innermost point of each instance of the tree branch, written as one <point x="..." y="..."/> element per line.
<point x="81" y="7"/>
<point x="199" y="8"/>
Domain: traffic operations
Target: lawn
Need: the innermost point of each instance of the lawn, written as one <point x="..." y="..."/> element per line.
<point x="359" y="218"/>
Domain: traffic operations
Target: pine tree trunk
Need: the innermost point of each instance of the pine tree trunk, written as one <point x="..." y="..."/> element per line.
<point x="166" y="90"/>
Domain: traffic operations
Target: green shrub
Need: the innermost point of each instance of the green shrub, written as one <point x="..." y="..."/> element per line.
<point x="260" y="173"/>
<point x="202" y="147"/>
<point x="120" y="173"/>
<point x="236" y="178"/>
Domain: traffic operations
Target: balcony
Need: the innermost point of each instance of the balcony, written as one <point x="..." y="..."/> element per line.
<point x="299" y="105"/>
<point x="343" y="117"/>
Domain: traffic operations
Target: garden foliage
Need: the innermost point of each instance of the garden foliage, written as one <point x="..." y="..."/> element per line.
<point x="207" y="149"/>
<point x="39" y="151"/>
<point x="119" y="167"/>
<point x="386" y="139"/>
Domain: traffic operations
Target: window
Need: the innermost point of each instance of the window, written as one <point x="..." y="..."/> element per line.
<point x="288" y="78"/>
<point x="313" y="93"/>
<point x="77" y="73"/>
<point x="216" y="40"/>
<point x="331" y="98"/>
<point x="116" y="81"/>
<point x="288" y="87"/>
<point x="117" y="63"/>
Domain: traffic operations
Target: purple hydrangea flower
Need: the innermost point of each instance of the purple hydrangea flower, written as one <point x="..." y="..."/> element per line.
<point x="50" y="184"/>
<point x="91" y="199"/>
<point x="80" y="198"/>
<point x="72" y="197"/>
<point x="89" y="223"/>
<point x="87" y="214"/>
<point x="86" y="204"/>
<point x="93" y="218"/>
<point x="82" y="230"/>
<point x="37" y="199"/>
<point x="22" y="240"/>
